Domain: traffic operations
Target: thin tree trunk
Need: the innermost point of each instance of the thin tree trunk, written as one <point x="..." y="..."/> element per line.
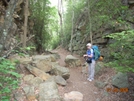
<point x="71" y="41"/>
<point x="90" y="22"/>
<point x="60" y="15"/>
<point x="25" y="23"/>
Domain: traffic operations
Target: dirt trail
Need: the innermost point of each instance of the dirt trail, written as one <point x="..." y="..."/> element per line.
<point x="77" y="82"/>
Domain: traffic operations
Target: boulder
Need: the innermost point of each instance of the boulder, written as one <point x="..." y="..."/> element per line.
<point x="73" y="96"/>
<point x="72" y="61"/>
<point x="120" y="80"/>
<point x="62" y="71"/>
<point x="51" y="79"/>
<point x="36" y="81"/>
<point x="19" y="96"/>
<point x="55" y="56"/>
<point x="37" y="72"/>
<point x="51" y="58"/>
<point x="48" y="91"/>
<point x="41" y="57"/>
<point x="28" y="78"/>
<point x="21" y="59"/>
<point x="60" y="80"/>
<point x="29" y="92"/>
<point x="100" y="84"/>
<point x="43" y="65"/>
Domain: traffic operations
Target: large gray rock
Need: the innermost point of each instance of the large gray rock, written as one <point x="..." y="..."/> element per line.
<point x="37" y="72"/>
<point x="48" y="91"/>
<point x="51" y="58"/>
<point x="60" y="80"/>
<point x="29" y="92"/>
<point x="36" y="81"/>
<point x="120" y="80"/>
<point x="41" y="57"/>
<point x="28" y="78"/>
<point x="72" y="61"/>
<point x="21" y="59"/>
<point x="73" y="96"/>
<point x="19" y="96"/>
<point x="43" y="65"/>
<point x="62" y="71"/>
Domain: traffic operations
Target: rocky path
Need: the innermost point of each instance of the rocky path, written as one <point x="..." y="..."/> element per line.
<point x="77" y="82"/>
<point x="49" y="78"/>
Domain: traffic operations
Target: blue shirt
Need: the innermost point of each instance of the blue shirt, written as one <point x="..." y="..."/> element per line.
<point x="90" y="52"/>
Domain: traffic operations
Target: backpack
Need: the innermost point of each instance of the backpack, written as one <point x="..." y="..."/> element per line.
<point x="96" y="52"/>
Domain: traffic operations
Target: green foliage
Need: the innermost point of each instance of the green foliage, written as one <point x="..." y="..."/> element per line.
<point x="121" y="52"/>
<point x="8" y="79"/>
<point x="43" y="17"/>
<point x="78" y="8"/>
<point x="104" y="14"/>
<point x="55" y="42"/>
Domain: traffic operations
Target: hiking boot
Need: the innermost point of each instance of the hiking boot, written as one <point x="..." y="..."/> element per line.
<point x="89" y="79"/>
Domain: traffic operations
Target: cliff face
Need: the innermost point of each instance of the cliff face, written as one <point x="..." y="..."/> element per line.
<point x="81" y="38"/>
<point x="14" y="22"/>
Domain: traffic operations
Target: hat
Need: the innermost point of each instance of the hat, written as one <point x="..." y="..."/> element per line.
<point x="89" y="44"/>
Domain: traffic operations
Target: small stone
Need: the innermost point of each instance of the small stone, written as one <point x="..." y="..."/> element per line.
<point x="73" y="96"/>
<point x="105" y="93"/>
<point x="97" y="99"/>
<point x="100" y="84"/>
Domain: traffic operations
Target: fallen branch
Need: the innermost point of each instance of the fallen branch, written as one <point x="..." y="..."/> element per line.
<point x="10" y="51"/>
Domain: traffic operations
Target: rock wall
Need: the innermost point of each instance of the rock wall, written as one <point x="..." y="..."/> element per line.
<point x="81" y="37"/>
<point x="16" y="26"/>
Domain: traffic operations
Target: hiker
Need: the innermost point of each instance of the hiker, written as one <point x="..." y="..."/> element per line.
<point x="89" y="56"/>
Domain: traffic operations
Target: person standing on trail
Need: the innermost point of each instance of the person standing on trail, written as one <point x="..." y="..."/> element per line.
<point x="89" y="56"/>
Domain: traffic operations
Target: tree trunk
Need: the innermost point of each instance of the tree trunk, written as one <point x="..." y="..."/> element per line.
<point x="71" y="41"/>
<point x="90" y="22"/>
<point x="60" y="12"/>
<point x="4" y="32"/>
<point x="25" y="23"/>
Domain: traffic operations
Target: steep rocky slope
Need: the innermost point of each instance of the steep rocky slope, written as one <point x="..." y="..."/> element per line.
<point x="80" y="37"/>
<point x="14" y="23"/>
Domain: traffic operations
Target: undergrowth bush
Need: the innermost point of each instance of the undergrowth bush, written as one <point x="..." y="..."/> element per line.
<point x="55" y="42"/>
<point x="121" y="52"/>
<point x="8" y="79"/>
